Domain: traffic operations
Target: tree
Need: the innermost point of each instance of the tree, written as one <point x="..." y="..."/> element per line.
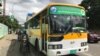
<point x="93" y="12"/>
<point x="9" y="22"/>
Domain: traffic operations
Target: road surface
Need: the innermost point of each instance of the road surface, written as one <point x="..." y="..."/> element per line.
<point x="9" y="46"/>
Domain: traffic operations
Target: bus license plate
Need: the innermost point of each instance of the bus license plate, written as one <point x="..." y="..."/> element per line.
<point x="72" y="51"/>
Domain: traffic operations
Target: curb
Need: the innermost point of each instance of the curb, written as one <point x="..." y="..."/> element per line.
<point x="3" y="37"/>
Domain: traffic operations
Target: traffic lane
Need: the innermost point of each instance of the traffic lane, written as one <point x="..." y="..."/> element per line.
<point x="94" y="49"/>
<point x="14" y="50"/>
<point x="84" y="54"/>
<point x="34" y="52"/>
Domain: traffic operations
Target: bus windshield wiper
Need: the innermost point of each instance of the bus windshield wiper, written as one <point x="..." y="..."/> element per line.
<point x="67" y="30"/>
<point x="78" y="29"/>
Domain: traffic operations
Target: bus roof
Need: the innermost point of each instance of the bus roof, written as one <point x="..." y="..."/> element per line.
<point x="52" y="4"/>
<point x="73" y="5"/>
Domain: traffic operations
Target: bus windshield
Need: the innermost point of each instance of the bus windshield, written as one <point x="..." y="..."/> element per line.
<point x="60" y="24"/>
<point x="79" y="23"/>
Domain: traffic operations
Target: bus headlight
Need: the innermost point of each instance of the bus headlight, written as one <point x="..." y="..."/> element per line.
<point x="50" y="46"/>
<point x="83" y="43"/>
<point x="59" y="46"/>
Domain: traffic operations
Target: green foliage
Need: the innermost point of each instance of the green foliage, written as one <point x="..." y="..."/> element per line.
<point x="85" y="3"/>
<point x="93" y="12"/>
<point x="7" y="21"/>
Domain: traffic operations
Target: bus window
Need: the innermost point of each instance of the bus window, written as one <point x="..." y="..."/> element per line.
<point x="45" y="20"/>
<point x="36" y="23"/>
<point x="26" y="25"/>
<point x="44" y="24"/>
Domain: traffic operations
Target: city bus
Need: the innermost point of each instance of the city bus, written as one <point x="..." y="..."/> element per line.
<point x="58" y="29"/>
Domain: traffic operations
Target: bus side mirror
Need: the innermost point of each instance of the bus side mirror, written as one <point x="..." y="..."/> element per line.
<point x="87" y="22"/>
<point x="87" y="17"/>
<point x="86" y="25"/>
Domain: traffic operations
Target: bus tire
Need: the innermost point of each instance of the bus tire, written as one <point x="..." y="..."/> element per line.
<point x="37" y="44"/>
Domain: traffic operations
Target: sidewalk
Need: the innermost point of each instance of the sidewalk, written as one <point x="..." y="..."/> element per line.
<point x="5" y="43"/>
<point x="6" y="40"/>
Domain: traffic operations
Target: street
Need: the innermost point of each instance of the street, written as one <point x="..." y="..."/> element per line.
<point x="9" y="46"/>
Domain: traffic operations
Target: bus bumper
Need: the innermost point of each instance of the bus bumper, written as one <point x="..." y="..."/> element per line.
<point x="58" y="52"/>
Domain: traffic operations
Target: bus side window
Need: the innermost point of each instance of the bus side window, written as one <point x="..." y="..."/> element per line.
<point x="45" y="20"/>
<point x="26" y="25"/>
<point x="44" y="24"/>
<point x="36" y="23"/>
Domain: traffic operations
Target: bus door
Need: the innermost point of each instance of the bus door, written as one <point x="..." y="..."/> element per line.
<point x="44" y="35"/>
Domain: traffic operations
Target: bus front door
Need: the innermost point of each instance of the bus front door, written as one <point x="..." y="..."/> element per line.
<point x="44" y="36"/>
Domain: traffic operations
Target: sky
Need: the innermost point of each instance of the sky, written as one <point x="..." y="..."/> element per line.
<point x="20" y="8"/>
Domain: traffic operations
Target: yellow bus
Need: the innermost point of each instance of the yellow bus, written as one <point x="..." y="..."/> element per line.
<point x="58" y="29"/>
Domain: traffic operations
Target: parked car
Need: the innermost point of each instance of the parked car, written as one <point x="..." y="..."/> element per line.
<point x="98" y="37"/>
<point x="92" y="37"/>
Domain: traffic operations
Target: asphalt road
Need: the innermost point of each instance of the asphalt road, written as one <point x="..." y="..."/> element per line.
<point x="13" y="49"/>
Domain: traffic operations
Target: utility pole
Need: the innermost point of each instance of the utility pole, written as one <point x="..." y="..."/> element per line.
<point x="4" y="5"/>
<point x="4" y="9"/>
